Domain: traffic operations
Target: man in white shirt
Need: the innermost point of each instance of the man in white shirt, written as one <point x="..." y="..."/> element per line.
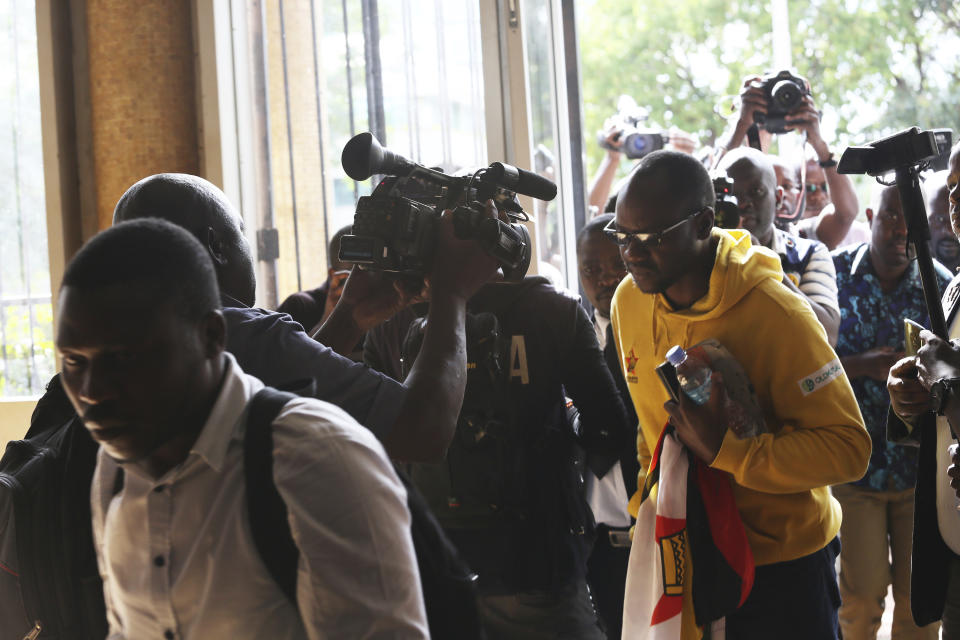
<point x="601" y="270"/>
<point x="142" y="340"/>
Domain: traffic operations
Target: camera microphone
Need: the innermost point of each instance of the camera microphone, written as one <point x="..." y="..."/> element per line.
<point x="363" y="156"/>
<point x="522" y="181"/>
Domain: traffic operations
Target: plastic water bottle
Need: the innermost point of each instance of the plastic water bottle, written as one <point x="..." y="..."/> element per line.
<point x="693" y="374"/>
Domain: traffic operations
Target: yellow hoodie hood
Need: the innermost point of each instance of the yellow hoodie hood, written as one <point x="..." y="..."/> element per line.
<point x="739" y="267"/>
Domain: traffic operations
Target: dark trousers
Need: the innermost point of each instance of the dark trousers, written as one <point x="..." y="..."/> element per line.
<point x="607" y="576"/>
<point x="797" y="599"/>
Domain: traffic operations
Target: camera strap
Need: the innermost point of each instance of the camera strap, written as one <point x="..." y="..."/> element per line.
<point x="753" y="136"/>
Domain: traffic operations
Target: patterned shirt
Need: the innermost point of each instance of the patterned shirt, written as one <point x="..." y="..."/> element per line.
<point x="871" y="317"/>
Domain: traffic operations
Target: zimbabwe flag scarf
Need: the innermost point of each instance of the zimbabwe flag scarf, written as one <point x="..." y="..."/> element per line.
<point x="686" y="519"/>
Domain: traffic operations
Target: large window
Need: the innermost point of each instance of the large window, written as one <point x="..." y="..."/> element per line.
<point x="26" y="332"/>
<point x="409" y="71"/>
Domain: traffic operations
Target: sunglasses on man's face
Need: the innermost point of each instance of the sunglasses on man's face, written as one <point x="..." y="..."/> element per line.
<point x="813" y="188"/>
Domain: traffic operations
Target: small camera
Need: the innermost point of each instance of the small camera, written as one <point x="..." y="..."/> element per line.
<point x="727" y="211"/>
<point x="636" y="140"/>
<point x="784" y="92"/>
<point x="395" y="228"/>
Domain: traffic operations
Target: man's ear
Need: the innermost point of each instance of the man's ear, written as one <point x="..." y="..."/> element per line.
<point x="705" y="223"/>
<point x="214" y="246"/>
<point x="213" y="333"/>
<point x="779" y="196"/>
<point x="870" y="217"/>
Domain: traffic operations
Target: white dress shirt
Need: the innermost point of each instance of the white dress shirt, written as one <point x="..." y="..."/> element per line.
<point x="607" y="496"/>
<point x="948" y="515"/>
<point x="177" y="556"/>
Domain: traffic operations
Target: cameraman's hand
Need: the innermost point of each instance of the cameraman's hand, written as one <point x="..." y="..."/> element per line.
<point x="613" y="138"/>
<point x="460" y="266"/>
<point x="908" y="398"/>
<point x="752" y="101"/>
<point x="806" y="118"/>
<point x="371" y="297"/>
<point x="681" y="141"/>
<point x="954" y="469"/>
<point x="937" y="358"/>
<point x="335" y="283"/>
<point x="701" y="427"/>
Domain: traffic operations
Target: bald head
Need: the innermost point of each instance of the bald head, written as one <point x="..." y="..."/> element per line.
<point x="750" y="157"/>
<point x="670" y="175"/>
<point x="185" y="200"/>
<point x="755" y="186"/>
<point x="203" y="209"/>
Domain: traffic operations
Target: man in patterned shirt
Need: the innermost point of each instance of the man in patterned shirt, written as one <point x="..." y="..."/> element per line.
<point x="878" y="287"/>
<point x="807" y="267"/>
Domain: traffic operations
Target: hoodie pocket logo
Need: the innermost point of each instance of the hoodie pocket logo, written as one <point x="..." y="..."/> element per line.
<point x="820" y="377"/>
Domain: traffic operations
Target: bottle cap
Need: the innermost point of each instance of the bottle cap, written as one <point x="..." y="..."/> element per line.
<point x="676" y="355"/>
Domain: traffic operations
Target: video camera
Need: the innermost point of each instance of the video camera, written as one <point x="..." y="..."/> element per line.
<point x="636" y="141"/>
<point x="727" y="211"/>
<point x="395" y="228"/>
<point x="784" y="92"/>
<point x="906" y="154"/>
<point x="909" y="148"/>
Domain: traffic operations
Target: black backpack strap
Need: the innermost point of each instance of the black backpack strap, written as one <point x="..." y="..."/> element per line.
<point x="266" y="509"/>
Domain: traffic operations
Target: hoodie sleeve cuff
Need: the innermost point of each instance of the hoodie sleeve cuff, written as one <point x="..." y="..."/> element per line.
<point x="731" y="452"/>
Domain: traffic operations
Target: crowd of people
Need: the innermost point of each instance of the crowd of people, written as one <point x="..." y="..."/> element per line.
<point x="530" y="435"/>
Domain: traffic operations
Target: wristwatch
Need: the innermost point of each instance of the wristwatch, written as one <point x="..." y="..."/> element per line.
<point x="940" y="393"/>
<point x="829" y="162"/>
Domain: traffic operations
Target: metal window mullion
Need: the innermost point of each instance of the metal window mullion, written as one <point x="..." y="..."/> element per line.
<point x="346" y="47"/>
<point x="374" y="75"/>
<point x="316" y="87"/>
<point x="476" y="81"/>
<point x="24" y="272"/>
<point x="443" y="93"/>
<point x="293" y="179"/>
<point x="410" y="81"/>
<point x="570" y="142"/>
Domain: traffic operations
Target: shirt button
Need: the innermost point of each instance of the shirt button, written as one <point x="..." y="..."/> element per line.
<point x="159" y="561"/>
<point x="168" y="634"/>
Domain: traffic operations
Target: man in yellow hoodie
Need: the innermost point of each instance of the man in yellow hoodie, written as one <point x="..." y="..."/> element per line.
<point x="691" y="282"/>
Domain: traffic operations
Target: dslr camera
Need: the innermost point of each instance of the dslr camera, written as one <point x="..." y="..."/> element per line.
<point x="784" y="92"/>
<point x="395" y="228"/>
<point x="636" y="140"/>
<point x="726" y="214"/>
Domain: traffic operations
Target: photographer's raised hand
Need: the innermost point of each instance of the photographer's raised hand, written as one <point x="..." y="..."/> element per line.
<point x="806" y="118"/>
<point x="701" y="427"/>
<point x="438" y="377"/>
<point x="752" y="100"/>
<point x="599" y="189"/>
<point x="833" y="223"/>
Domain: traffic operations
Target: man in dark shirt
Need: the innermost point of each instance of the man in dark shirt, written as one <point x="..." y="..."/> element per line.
<point x="878" y="288"/>
<point x="415" y="420"/>
<point x="312" y="306"/>
<point x="530" y="553"/>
